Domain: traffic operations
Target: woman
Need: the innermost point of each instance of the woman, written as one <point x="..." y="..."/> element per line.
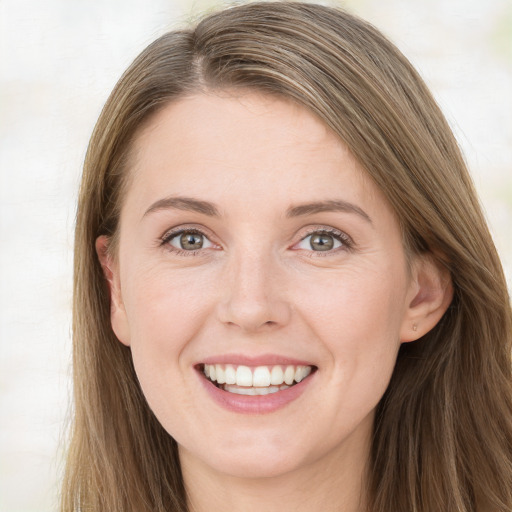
<point x="286" y="295"/>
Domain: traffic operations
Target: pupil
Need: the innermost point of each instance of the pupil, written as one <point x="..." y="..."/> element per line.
<point x="191" y="241"/>
<point x="322" y="242"/>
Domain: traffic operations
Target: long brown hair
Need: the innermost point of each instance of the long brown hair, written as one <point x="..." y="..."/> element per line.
<point x="443" y="430"/>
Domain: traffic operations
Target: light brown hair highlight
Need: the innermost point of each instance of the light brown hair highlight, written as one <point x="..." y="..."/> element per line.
<point x="443" y="430"/>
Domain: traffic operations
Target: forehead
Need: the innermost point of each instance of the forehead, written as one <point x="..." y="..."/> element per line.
<point x="252" y="144"/>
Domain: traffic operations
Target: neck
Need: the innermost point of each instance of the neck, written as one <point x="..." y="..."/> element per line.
<point x="333" y="483"/>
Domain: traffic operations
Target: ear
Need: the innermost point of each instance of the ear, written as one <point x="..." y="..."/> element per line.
<point x="118" y="317"/>
<point x="430" y="294"/>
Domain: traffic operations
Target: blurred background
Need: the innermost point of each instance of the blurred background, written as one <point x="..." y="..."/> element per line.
<point x="59" y="59"/>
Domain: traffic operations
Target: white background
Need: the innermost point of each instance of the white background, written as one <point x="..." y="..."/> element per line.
<point x="58" y="61"/>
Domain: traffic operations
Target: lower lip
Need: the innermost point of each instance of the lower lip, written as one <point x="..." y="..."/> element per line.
<point x="258" y="404"/>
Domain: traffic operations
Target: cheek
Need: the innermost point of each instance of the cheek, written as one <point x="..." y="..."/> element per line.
<point x="165" y="313"/>
<point x="165" y="310"/>
<point x="357" y="317"/>
<point x="165" y="304"/>
<point x="356" y="302"/>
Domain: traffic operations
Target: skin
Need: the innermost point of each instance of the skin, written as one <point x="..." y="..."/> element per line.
<point x="258" y="287"/>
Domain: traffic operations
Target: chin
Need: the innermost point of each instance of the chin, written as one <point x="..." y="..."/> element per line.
<point x="257" y="467"/>
<point x="253" y="461"/>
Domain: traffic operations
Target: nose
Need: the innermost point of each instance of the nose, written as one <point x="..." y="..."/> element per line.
<point x="253" y="294"/>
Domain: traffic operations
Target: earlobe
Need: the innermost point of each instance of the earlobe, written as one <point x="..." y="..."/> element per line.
<point x="430" y="294"/>
<point x="110" y="269"/>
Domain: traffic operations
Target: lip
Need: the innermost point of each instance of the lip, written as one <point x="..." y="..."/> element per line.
<point x="261" y="360"/>
<point x="259" y="404"/>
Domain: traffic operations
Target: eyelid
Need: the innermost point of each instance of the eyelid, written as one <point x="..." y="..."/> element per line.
<point x="346" y="240"/>
<point x="178" y="230"/>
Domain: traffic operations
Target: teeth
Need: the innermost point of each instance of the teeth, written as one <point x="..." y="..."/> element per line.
<point x="243" y="376"/>
<point x="289" y="374"/>
<point x="230" y="374"/>
<point x="301" y="373"/>
<point x="277" y="375"/>
<point x="221" y="374"/>
<point x="262" y="377"/>
<point x="253" y="391"/>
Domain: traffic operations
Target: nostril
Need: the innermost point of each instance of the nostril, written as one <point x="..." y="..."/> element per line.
<point x="253" y="311"/>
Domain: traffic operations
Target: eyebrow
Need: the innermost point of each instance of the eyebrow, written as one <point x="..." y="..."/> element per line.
<point x="207" y="208"/>
<point x="184" y="203"/>
<point x="335" y="205"/>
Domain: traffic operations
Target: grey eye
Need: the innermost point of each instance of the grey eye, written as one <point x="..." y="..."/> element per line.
<point x="319" y="242"/>
<point x="189" y="241"/>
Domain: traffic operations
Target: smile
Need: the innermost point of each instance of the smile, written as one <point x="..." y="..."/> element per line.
<point x="258" y="380"/>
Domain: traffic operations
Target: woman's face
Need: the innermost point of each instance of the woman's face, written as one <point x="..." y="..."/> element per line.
<point x="251" y="242"/>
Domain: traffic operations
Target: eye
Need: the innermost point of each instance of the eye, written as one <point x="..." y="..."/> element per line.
<point x="324" y="241"/>
<point x="187" y="240"/>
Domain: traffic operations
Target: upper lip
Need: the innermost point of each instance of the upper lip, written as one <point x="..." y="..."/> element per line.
<point x="261" y="360"/>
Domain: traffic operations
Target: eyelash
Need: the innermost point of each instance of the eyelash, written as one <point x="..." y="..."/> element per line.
<point x="343" y="238"/>
<point x="166" y="239"/>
